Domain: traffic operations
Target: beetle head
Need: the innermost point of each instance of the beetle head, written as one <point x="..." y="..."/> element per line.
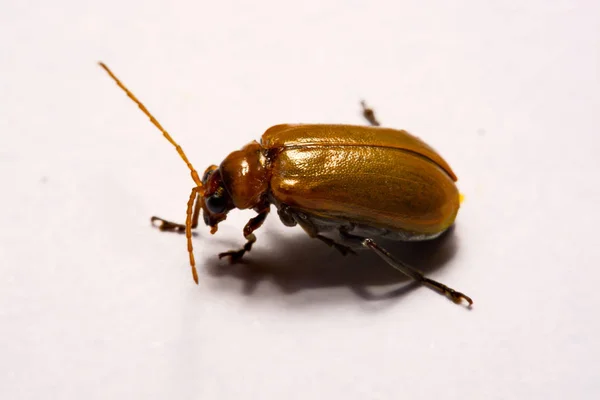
<point x="239" y="182"/>
<point x="216" y="201"/>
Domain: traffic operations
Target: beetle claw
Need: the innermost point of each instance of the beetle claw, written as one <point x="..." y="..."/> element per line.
<point x="458" y="297"/>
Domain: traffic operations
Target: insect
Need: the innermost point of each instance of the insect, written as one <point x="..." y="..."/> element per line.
<point x="358" y="181"/>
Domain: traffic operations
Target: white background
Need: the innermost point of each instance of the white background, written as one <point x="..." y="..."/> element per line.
<point x="94" y="303"/>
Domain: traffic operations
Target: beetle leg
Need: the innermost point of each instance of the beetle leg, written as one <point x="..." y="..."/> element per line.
<point x="168" y="226"/>
<point x="338" y="246"/>
<point x="369" y="114"/>
<point x="251" y="226"/>
<point x="312" y="231"/>
<point x="407" y="270"/>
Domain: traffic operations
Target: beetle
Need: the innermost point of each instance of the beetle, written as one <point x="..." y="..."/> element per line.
<point x="358" y="181"/>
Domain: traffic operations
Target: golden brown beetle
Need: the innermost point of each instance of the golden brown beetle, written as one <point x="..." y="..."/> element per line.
<point x="323" y="178"/>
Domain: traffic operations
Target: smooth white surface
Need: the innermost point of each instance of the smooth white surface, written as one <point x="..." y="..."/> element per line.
<point x="94" y="303"/>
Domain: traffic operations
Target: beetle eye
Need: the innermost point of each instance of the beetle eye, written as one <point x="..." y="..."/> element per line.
<point x="216" y="204"/>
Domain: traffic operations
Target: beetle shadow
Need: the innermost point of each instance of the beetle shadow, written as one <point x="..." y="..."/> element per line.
<point x="297" y="262"/>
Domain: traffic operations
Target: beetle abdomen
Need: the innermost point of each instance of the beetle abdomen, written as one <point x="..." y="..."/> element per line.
<point x="382" y="187"/>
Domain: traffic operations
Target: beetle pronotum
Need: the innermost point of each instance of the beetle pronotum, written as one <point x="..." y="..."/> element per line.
<point x="324" y="178"/>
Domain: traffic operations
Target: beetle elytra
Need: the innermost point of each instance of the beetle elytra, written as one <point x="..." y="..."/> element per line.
<point x="357" y="181"/>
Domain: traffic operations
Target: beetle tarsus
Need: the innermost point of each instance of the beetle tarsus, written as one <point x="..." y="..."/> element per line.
<point x="461" y="296"/>
<point x="167" y="226"/>
<point x="236" y="255"/>
<point x="456" y="297"/>
<point x="369" y="114"/>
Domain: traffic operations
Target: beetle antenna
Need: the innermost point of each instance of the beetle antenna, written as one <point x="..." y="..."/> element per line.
<point x="188" y="232"/>
<point x="195" y="177"/>
<point x="157" y="124"/>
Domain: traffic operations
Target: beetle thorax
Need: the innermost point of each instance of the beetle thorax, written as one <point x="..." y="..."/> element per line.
<point x="245" y="176"/>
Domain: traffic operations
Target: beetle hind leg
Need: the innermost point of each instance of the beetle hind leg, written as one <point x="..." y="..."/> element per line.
<point x="345" y="250"/>
<point x="291" y="217"/>
<point x="409" y="271"/>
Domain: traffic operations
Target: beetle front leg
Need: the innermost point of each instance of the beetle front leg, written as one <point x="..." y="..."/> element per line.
<point x="369" y="114"/>
<point x="407" y="270"/>
<point x="168" y="226"/>
<point x="252" y="225"/>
